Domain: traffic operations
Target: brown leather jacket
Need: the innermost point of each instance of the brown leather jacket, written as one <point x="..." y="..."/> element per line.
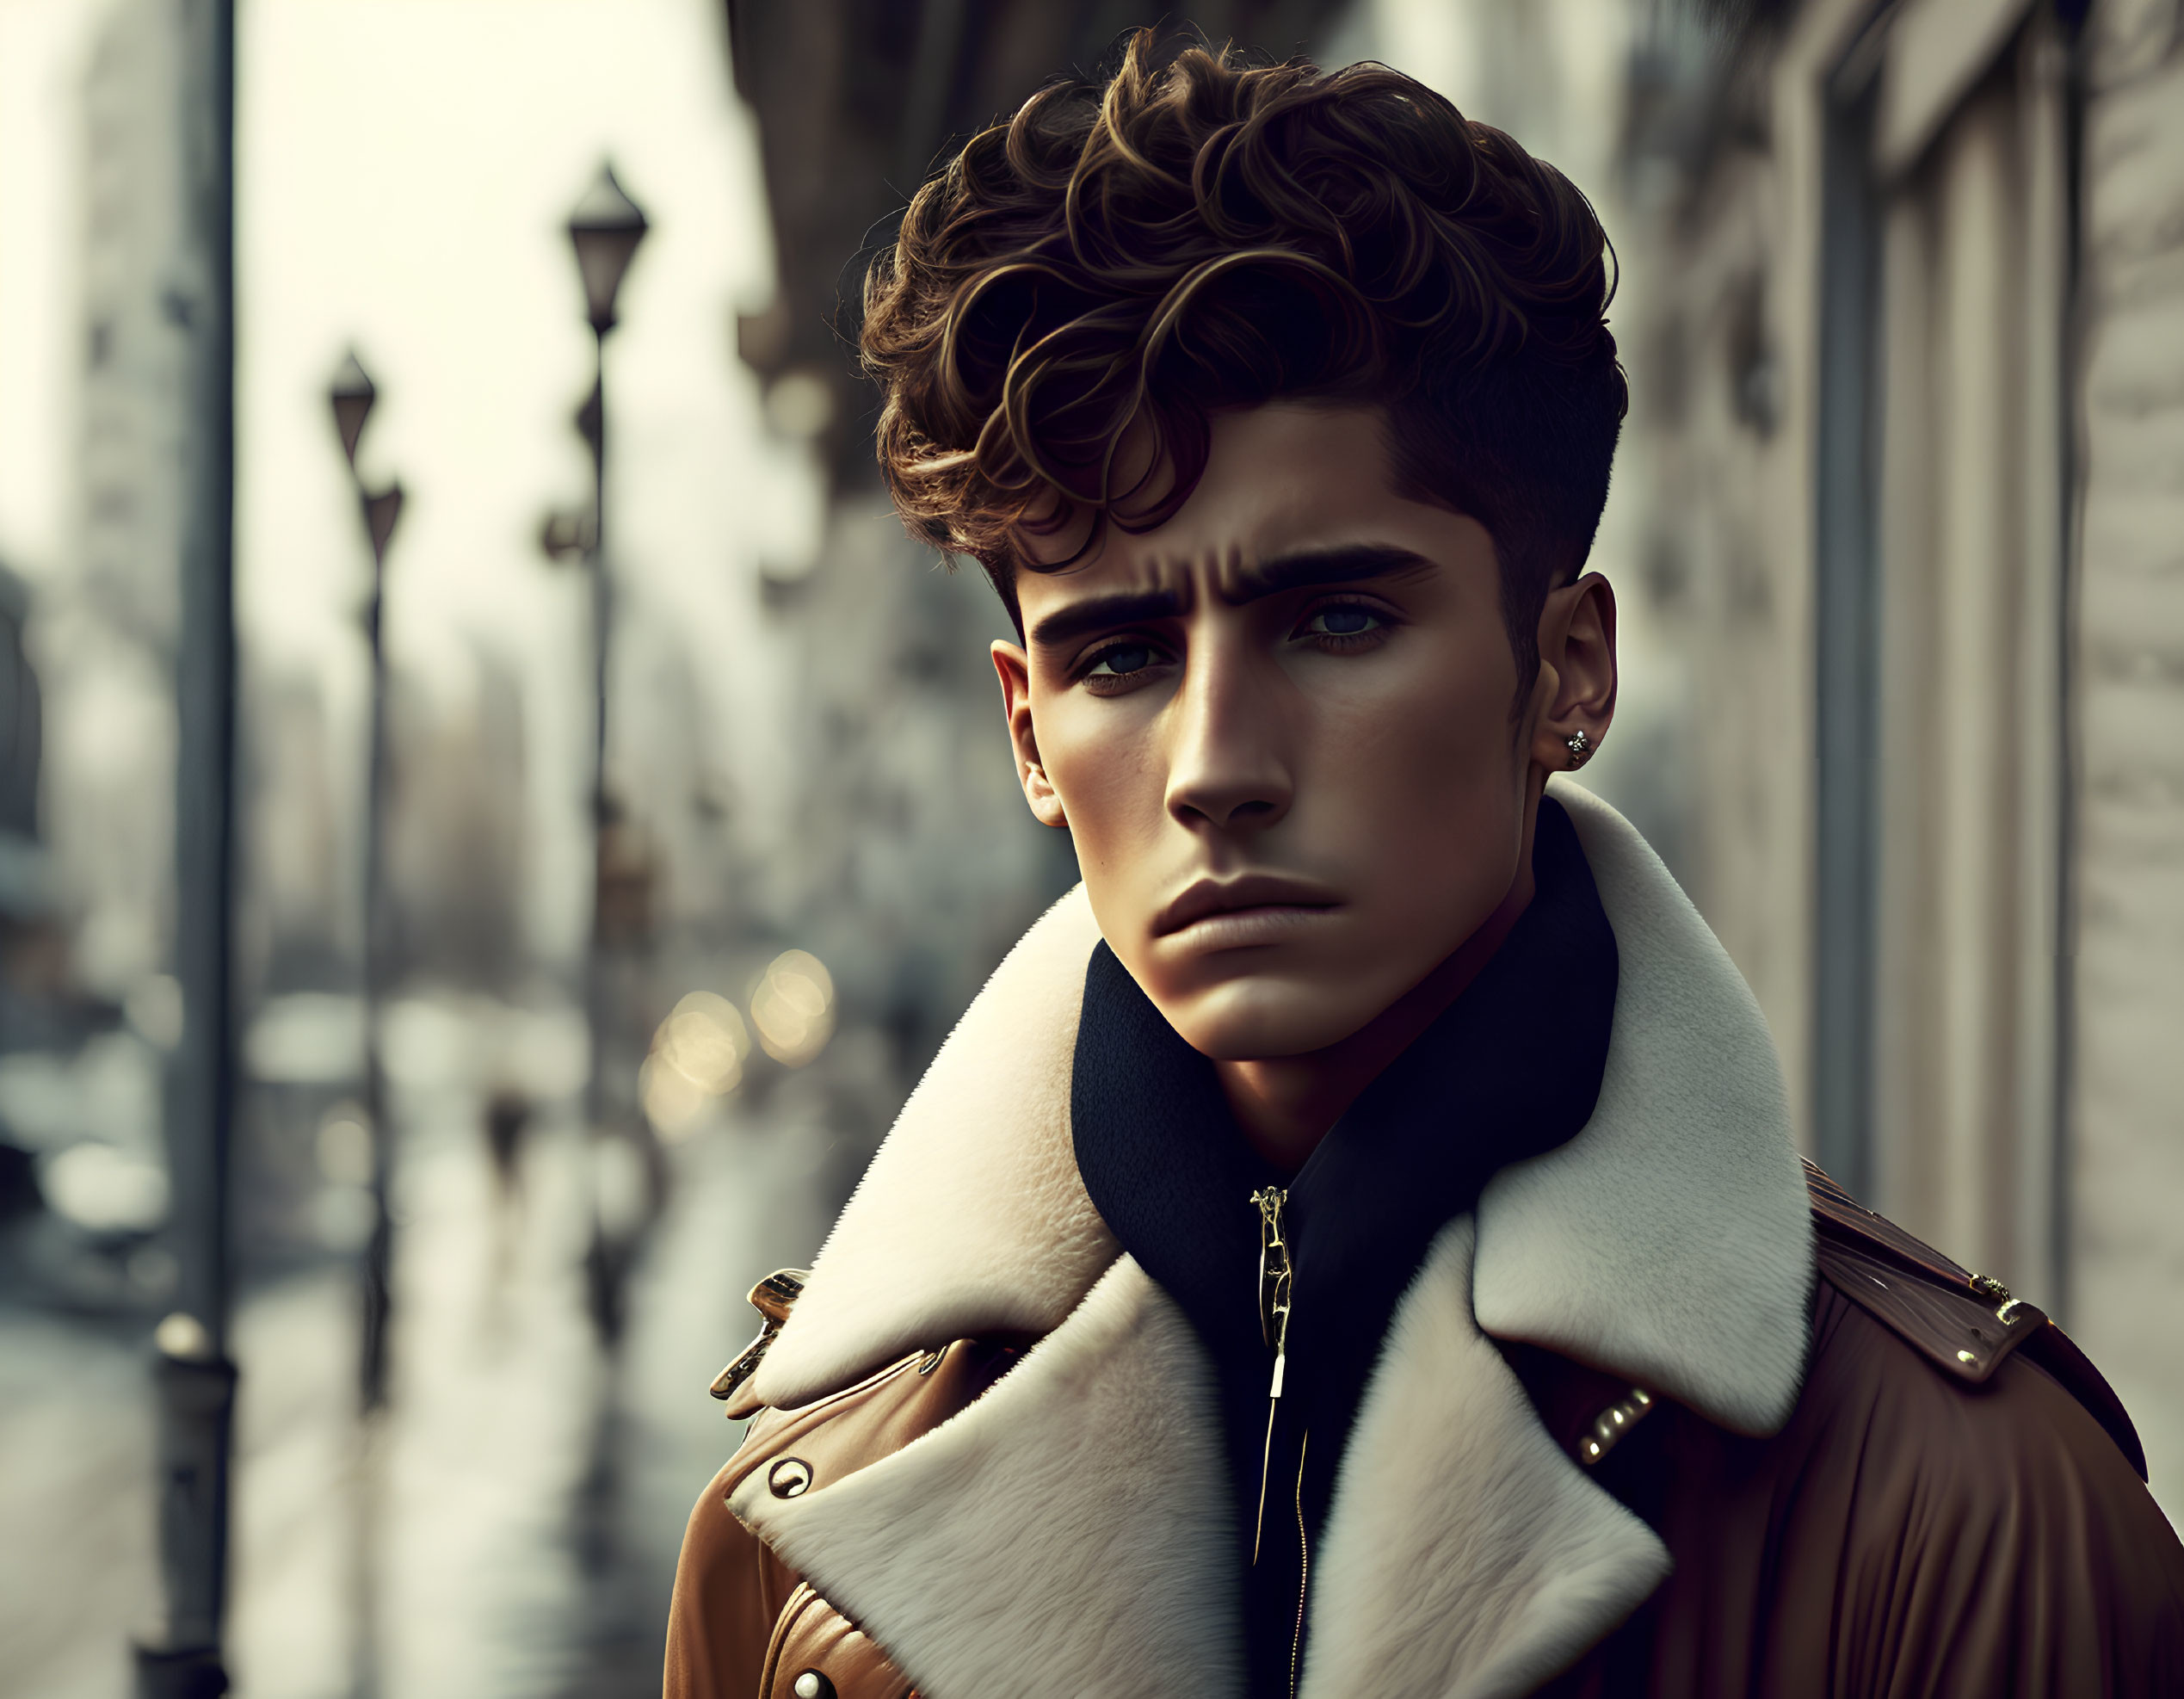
<point x="1619" y="1439"/>
<point x="1955" y="1507"/>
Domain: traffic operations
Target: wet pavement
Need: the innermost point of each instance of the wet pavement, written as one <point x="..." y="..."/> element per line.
<point x="508" y="1525"/>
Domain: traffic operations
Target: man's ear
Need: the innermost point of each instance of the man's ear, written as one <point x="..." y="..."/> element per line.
<point x="1014" y="668"/>
<point x="1577" y="673"/>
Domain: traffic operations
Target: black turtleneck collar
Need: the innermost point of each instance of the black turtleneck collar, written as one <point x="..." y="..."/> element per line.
<point x="1511" y="1069"/>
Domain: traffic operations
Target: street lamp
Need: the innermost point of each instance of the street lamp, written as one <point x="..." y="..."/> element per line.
<point x="352" y="394"/>
<point x="605" y="230"/>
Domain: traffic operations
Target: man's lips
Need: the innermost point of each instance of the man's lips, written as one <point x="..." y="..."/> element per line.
<point x="1206" y="898"/>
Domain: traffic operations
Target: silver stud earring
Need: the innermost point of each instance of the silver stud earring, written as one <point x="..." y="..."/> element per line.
<point x="1580" y="749"/>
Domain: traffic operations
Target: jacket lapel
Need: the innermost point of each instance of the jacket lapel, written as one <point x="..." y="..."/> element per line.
<point x="1464" y="1555"/>
<point x="1069" y="1533"/>
<point x="1669" y="1242"/>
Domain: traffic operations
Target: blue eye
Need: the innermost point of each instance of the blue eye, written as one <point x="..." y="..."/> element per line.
<point x="1122" y="660"/>
<point x="1342" y="622"/>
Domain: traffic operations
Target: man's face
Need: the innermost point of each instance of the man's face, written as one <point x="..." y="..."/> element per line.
<point x="1279" y="730"/>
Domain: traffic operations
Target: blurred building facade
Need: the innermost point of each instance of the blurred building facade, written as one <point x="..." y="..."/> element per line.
<point x="26" y="969"/>
<point x="106" y="630"/>
<point x="2124" y="668"/>
<point x="1908" y="374"/>
<point x="86" y="842"/>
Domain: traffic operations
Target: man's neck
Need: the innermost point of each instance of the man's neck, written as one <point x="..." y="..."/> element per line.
<point x="1286" y="1104"/>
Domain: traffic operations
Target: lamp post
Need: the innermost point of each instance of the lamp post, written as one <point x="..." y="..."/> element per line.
<point x="605" y="230"/>
<point x="351" y="395"/>
<point x="195" y="1379"/>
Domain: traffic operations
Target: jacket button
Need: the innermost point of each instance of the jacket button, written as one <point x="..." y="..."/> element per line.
<point x="791" y="1478"/>
<point x="813" y="1685"/>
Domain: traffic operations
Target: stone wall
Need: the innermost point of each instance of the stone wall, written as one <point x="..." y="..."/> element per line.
<point x="2027" y="440"/>
<point x="2126" y="1174"/>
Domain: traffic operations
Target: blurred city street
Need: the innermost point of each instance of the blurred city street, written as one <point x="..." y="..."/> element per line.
<point x="509" y="1524"/>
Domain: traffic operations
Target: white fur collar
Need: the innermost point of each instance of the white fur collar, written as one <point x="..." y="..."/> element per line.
<point x="1071" y="1533"/>
<point x="1668" y="1242"/>
<point x="1075" y="1537"/>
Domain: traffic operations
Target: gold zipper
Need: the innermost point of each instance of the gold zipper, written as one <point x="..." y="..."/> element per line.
<point x="1275" y="1280"/>
<point x="1304" y="1566"/>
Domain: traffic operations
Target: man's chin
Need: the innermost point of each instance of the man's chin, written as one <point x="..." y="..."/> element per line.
<point x="1258" y="1018"/>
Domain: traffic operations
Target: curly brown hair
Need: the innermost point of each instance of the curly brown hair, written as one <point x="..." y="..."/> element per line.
<point x="1202" y="233"/>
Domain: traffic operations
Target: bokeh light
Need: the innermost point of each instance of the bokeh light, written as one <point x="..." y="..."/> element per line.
<point x="792" y="1007"/>
<point x="697" y="1057"/>
<point x="104" y="1189"/>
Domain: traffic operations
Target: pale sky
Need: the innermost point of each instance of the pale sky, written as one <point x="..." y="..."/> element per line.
<point x="39" y="49"/>
<point x="404" y="170"/>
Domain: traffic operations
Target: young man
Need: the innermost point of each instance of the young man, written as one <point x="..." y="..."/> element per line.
<point x="1355" y="1245"/>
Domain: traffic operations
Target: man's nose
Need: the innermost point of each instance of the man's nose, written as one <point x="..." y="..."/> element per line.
<point x="1226" y="768"/>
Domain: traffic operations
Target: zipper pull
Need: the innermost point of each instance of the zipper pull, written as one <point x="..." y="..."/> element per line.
<point x="1276" y="1279"/>
<point x="1274" y="1274"/>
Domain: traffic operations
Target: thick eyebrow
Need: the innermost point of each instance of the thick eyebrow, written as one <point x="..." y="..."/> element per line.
<point x="1307" y="569"/>
<point x="1120" y="609"/>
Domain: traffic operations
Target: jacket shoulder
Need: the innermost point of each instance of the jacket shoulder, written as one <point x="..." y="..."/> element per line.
<point x="743" y="1620"/>
<point x="857" y="1425"/>
<point x="1965" y="1324"/>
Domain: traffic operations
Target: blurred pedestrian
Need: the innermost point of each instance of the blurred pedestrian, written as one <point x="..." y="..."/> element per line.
<point x="507" y="1126"/>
